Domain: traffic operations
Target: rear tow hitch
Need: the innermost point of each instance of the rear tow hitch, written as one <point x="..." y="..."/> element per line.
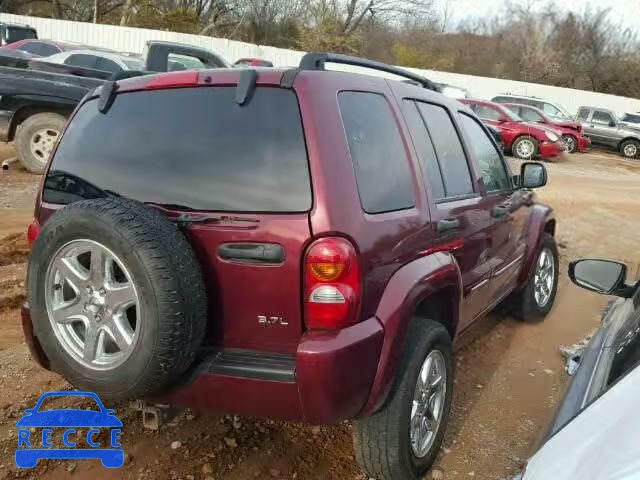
<point x="154" y="415"/>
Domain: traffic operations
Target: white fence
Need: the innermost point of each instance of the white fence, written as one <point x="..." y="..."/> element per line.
<point x="129" y="39"/>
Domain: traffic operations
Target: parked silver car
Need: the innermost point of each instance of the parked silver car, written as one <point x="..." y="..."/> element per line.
<point x="605" y="129"/>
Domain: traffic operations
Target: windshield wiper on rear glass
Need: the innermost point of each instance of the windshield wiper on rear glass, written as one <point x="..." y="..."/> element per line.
<point x="197" y="218"/>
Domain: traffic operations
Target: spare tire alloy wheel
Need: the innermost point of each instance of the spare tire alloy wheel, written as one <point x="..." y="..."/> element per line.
<point x="92" y="304"/>
<point x="117" y="298"/>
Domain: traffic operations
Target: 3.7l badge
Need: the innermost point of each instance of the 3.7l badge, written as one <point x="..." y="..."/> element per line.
<point x="269" y="321"/>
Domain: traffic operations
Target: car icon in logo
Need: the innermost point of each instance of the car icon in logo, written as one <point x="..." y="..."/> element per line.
<point x="32" y="447"/>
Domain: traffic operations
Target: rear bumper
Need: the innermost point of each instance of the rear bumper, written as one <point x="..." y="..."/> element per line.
<point x="330" y="382"/>
<point x="330" y="377"/>
<point x="551" y="149"/>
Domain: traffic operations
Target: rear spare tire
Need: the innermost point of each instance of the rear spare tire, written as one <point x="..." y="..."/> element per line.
<point x="117" y="298"/>
<point x="36" y="138"/>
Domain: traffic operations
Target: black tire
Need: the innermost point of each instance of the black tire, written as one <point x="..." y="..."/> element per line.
<point x="167" y="279"/>
<point x="518" y="141"/>
<point x="630" y="149"/>
<point x="571" y="142"/>
<point x="382" y="440"/>
<point x="28" y="129"/>
<point x="523" y="304"/>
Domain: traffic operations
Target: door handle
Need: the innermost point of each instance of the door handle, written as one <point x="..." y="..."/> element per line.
<point x="500" y="211"/>
<point x="448" y="224"/>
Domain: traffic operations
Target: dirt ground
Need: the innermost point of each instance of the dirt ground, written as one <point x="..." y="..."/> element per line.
<point x="509" y="375"/>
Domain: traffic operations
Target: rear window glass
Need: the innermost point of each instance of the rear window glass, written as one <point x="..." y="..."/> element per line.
<point x="193" y="148"/>
<point x="15" y="34"/>
<point x="379" y="158"/>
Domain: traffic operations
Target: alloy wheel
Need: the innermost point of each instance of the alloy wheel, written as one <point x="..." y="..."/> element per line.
<point x="544" y="277"/>
<point x="428" y="403"/>
<point x="92" y="304"/>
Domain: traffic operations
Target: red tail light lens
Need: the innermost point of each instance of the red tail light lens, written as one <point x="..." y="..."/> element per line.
<point x="331" y="284"/>
<point x="33" y="230"/>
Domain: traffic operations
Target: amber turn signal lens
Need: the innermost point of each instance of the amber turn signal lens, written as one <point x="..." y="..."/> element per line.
<point x="327" y="272"/>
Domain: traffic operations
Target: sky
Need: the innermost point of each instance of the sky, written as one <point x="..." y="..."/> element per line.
<point x="626" y="12"/>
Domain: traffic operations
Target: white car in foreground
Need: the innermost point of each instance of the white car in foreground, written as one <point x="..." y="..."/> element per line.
<point x="596" y="431"/>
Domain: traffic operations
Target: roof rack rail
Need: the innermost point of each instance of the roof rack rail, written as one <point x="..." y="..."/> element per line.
<point x="316" y="61"/>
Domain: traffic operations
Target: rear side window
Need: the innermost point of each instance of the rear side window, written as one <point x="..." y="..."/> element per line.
<point x="426" y="151"/>
<point x="378" y="154"/>
<point x="190" y="148"/>
<point x="81" y="60"/>
<point x="15" y="34"/>
<point x="107" y="65"/>
<point x="451" y="157"/>
<point x="486" y="113"/>
<point x="583" y="114"/>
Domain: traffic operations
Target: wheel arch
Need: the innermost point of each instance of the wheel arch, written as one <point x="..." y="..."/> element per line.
<point x="541" y="221"/>
<point x="626" y="139"/>
<point x="21" y="114"/>
<point x="430" y="287"/>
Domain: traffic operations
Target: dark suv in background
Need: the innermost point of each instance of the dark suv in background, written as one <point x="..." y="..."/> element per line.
<point x="13" y="32"/>
<point x="315" y="268"/>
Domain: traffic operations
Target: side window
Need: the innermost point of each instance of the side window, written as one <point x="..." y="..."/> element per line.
<point x="378" y="154"/>
<point x="47" y="50"/>
<point x="446" y="142"/>
<point x="491" y="165"/>
<point x="426" y="152"/>
<point x="487" y="113"/>
<point x="603" y="118"/>
<point x="529" y="115"/>
<point x="30" y="47"/>
<point x="178" y="62"/>
<point x="583" y="114"/>
<point x="81" y="60"/>
<point x="107" y="65"/>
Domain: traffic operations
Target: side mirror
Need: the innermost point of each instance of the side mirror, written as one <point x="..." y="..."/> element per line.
<point x="612" y="123"/>
<point x="503" y="120"/>
<point x="532" y="175"/>
<point x="601" y="276"/>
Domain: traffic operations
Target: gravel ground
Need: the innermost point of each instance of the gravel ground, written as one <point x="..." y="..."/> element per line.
<point x="509" y="375"/>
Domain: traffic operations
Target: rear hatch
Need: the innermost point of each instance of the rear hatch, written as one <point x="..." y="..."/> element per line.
<point x="236" y="175"/>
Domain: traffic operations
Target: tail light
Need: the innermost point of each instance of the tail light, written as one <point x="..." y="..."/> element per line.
<point x="331" y="284"/>
<point x="33" y="230"/>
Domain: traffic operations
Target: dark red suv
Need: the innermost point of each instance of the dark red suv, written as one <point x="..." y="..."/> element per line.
<point x="299" y="244"/>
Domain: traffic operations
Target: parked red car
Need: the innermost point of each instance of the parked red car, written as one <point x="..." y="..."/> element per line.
<point x="523" y="139"/>
<point x="252" y="62"/>
<point x="42" y="48"/>
<point x="571" y="132"/>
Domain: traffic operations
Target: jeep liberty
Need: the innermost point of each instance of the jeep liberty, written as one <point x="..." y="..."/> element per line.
<point x="287" y="243"/>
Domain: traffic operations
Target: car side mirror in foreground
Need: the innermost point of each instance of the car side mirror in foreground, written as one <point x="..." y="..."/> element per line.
<point x="533" y="175"/>
<point x="601" y="276"/>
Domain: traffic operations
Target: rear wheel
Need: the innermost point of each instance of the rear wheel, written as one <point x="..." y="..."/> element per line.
<point x="402" y="440"/>
<point x="571" y="142"/>
<point x="36" y="138"/>
<point x="525" y="147"/>
<point x="630" y="149"/>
